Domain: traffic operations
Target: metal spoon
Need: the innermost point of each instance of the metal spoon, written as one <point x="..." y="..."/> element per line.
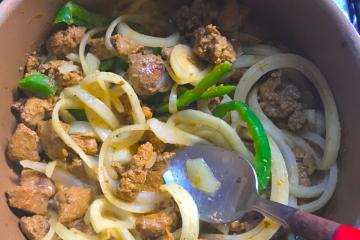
<point x="238" y="195"/>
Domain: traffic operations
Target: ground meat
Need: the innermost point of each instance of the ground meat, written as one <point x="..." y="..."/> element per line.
<point x="97" y="47"/>
<point x="50" y="142"/>
<point x="63" y="79"/>
<point x="282" y="102"/>
<point x="72" y="203"/>
<point x="35" y="227"/>
<point x="154" y="177"/>
<point x="28" y="199"/>
<point x="133" y="179"/>
<point x="23" y="144"/>
<point x="65" y="41"/>
<point x="147" y="74"/>
<point x="248" y="222"/>
<point x="32" y="63"/>
<point x="232" y="16"/>
<point x="37" y="180"/>
<point x="158" y="224"/>
<point x="124" y="46"/>
<point x="34" y="110"/>
<point x="211" y="46"/>
<point x="80" y="225"/>
<point x="147" y="112"/>
<point x="87" y="144"/>
<point x="306" y="165"/>
<point x="198" y="14"/>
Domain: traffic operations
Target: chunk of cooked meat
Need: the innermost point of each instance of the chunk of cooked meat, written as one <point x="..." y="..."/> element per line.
<point x="154" y="177"/>
<point x="65" y="41"/>
<point x="248" y="222"/>
<point x="198" y="14"/>
<point x="23" y="144"/>
<point x="158" y="224"/>
<point x="32" y="63"/>
<point x="87" y="144"/>
<point x="33" y="194"/>
<point x="211" y="46"/>
<point x="306" y="165"/>
<point x="33" y="110"/>
<point x="37" y="180"/>
<point x="97" y="47"/>
<point x="80" y="225"/>
<point x="133" y="179"/>
<point x="72" y="203"/>
<point x="147" y="112"/>
<point x="35" y="227"/>
<point x="124" y="46"/>
<point x="282" y="102"/>
<point x="232" y="16"/>
<point x="147" y="74"/>
<point x="28" y="199"/>
<point x="50" y="142"/>
<point x="166" y="52"/>
<point x="56" y="69"/>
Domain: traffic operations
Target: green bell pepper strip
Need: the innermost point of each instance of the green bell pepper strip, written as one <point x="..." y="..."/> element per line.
<point x="262" y="159"/>
<point x="73" y="14"/>
<point x="78" y="114"/>
<point x="107" y="64"/>
<point x="217" y="91"/>
<point x="192" y="95"/>
<point x="38" y="85"/>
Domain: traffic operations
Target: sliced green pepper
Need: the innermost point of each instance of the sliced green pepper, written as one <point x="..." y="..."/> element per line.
<point x="121" y="64"/>
<point x="38" y="85"/>
<point x="217" y="91"/>
<point x="189" y="96"/>
<point x="262" y="159"/>
<point x="73" y="14"/>
<point x="107" y="64"/>
<point x="78" y="114"/>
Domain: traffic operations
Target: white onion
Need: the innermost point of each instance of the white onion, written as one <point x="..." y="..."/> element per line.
<point x="245" y="61"/>
<point x="67" y="68"/>
<point x="173" y="99"/>
<point x="73" y="57"/>
<point x="82" y="128"/>
<point x="92" y="62"/>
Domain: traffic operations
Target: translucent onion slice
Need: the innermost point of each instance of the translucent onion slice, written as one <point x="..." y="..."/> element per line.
<point x="101" y="129"/>
<point x="173" y="99"/>
<point x="245" y="61"/>
<point x="188" y="210"/>
<point x="67" y="68"/>
<point x="201" y="176"/>
<point x="82" y="128"/>
<point x="173" y="135"/>
<point x="281" y="61"/>
<point x="186" y="66"/>
<point x="71" y="234"/>
<point x="93" y="103"/>
<point x="50" y="168"/>
<point x="92" y="62"/>
<point x="148" y="41"/>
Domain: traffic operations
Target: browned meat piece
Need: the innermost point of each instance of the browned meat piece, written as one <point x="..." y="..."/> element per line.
<point x="80" y="225"/>
<point x="211" y="46"/>
<point x="34" y="110"/>
<point x="159" y="224"/>
<point x="87" y="144"/>
<point x="63" y="78"/>
<point x="147" y="112"/>
<point x="282" y="102"/>
<point x="37" y="180"/>
<point x="154" y="177"/>
<point x="147" y="74"/>
<point x="133" y="179"/>
<point x="28" y="199"/>
<point x="198" y="14"/>
<point x="238" y="226"/>
<point x="306" y="166"/>
<point x="214" y="103"/>
<point x="248" y="222"/>
<point x="35" y="227"/>
<point x="32" y="63"/>
<point x="165" y="52"/>
<point x="23" y="144"/>
<point x="97" y="47"/>
<point x="232" y="16"/>
<point x="125" y="46"/>
<point x="65" y="41"/>
<point x="50" y="142"/>
<point x="72" y="203"/>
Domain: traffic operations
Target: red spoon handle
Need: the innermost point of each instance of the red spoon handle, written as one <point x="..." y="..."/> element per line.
<point x="313" y="227"/>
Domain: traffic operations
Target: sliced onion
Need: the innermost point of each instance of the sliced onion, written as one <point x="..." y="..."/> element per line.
<point x="280" y="61"/>
<point x="50" y="168"/>
<point x="67" y="68"/>
<point x="82" y="128"/>
<point x="172" y="135"/>
<point x="37" y="166"/>
<point x="99" y="126"/>
<point x="92" y="62"/>
<point x="71" y="234"/>
<point x="245" y="61"/>
<point x="173" y="99"/>
<point x="73" y="57"/>
<point x="186" y="66"/>
<point x="148" y="41"/>
<point x="188" y="210"/>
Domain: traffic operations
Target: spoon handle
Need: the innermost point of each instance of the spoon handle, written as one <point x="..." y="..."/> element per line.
<point x="306" y="225"/>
